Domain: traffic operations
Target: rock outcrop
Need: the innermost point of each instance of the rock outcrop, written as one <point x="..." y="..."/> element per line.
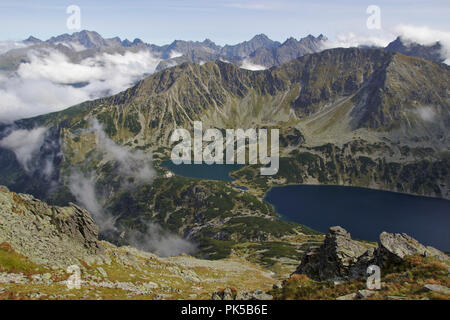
<point x="48" y="235"/>
<point x="334" y="258"/>
<point x="340" y="257"/>
<point x="393" y="247"/>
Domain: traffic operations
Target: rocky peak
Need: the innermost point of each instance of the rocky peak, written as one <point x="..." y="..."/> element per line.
<point x="32" y="40"/>
<point x="321" y="37"/>
<point x="410" y="48"/>
<point x="48" y="235"/>
<point x="88" y="39"/>
<point x="394" y="247"/>
<point x="290" y="41"/>
<point x="333" y="259"/>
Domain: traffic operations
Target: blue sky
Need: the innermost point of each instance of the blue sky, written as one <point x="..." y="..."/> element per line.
<point x="222" y="21"/>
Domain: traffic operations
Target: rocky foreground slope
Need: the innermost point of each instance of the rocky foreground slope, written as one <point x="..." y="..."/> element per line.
<point x="43" y="247"/>
<point x="40" y="244"/>
<point x="341" y="258"/>
<point x="339" y="269"/>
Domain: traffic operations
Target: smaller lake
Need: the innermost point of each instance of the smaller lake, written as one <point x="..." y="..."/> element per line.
<point x="365" y="213"/>
<point x="203" y="171"/>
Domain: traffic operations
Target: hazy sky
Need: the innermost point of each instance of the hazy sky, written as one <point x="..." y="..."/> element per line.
<point x="222" y="21"/>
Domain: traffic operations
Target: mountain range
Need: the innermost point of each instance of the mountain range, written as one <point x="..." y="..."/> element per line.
<point x="257" y="53"/>
<point x="358" y="117"/>
<point x="365" y="117"/>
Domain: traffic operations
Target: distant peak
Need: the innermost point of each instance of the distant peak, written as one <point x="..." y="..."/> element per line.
<point x="290" y="41"/>
<point x="32" y="39"/>
<point x="87" y="32"/>
<point x="322" y="37"/>
<point x="261" y="36"/>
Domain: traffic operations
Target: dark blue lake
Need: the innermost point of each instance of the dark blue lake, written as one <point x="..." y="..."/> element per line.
<point x="203" y="171"/>
<point x="365" y="213"/>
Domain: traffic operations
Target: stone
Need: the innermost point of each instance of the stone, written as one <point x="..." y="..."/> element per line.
<point x="437" y="288"/>
<point x="46" y="276"/>
<point x="227" y="294"/>
<point x="396" y="297"/>
<point x="351" y="296"/>
<point x="394" y="247"/>
<point x="334" y="257"/>
<point x="341" y="258"/>
<point x="102" y="272"/>
<point x="277" y="286"/>
<point x="362" y="294"/>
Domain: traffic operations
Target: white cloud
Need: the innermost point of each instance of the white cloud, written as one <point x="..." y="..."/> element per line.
<point x="24" y="144"/>
<point x="418" y="34"/>
<point x="5" y="46"/>
<point x="135" y="164"/>
<point x="351" y="39"/>
<point x="426" y="36"/>
<point x="83" y="188"/>
<point x="47" y="83"/>
<point x="175" y="54"/>
<point x="247" y="64"/>
<point x="427" y="113"/>
<point x="132" y="163"/>
<point x="75" y="46"/>
<point x="156" y="239"/>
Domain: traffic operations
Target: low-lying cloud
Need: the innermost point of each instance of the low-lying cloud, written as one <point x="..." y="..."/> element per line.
<point x="350" y="40"/>
<point x="422" y="35"/>
<point x="426" y="36"/>
<point x="6" y="46"/>
<point x="51" y="81"/>
<point x="156" y="239"/>
<point x="131" y="163"/>
<point x="25" y="144"/>
<point x="83" y="188"/>
<point x="248" y="65"/>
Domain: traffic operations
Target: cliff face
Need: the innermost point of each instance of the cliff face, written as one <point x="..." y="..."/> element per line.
<point x="48" y="235"/>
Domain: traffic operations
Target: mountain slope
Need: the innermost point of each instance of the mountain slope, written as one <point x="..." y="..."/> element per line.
<point x="346" y="116"/>
<point x="345" y="90"/>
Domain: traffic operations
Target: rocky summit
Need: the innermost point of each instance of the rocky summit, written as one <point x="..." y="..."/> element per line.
<point x="334" y="258"/>
<point x="48" y="235"/>
<point x="340" y="257"/>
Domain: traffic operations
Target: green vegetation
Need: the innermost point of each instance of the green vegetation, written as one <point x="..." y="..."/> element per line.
<point x="11" y="261"/>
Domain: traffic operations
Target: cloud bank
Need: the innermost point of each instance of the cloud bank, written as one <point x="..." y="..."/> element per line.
<point x="422" y="35"/>
<point x="51" y="82"/>
<point x="5" y="46"/>
<point x="426" y="36"/>
<point x="349" y="40"/>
